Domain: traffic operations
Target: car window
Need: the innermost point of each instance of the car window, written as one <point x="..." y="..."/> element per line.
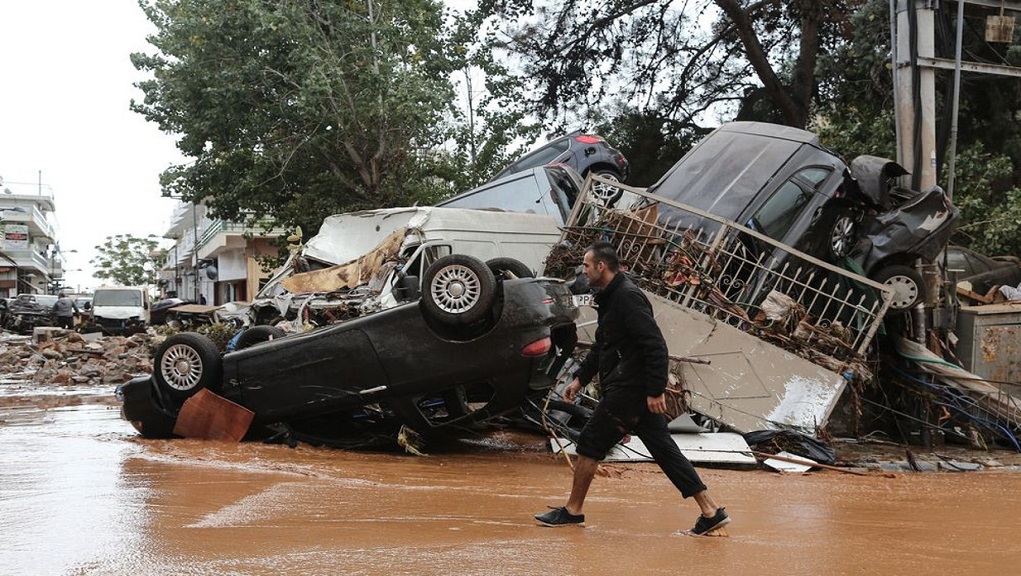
<point x="431" y="254"/>
<point x="564" y="192"/>
<point x="46" y="300"/>
<point x="814" y="176"/>
<point x="117" y="298"/>
<point x="540" y="157"/>
<point x="779" y="213"/>
<point x="958" y="262"/>
<point x="519" y="195"/>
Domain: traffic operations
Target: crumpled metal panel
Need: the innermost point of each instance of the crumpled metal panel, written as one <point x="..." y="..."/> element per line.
<point x="748" y="384"/>
<point x="358" y="272"/>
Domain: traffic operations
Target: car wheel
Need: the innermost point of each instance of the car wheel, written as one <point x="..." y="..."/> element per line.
<point x="186" y="363"/>
<point x="504" y="268"/>
<point x="907" y="284"/>
<point x="608" y="194"/>
<point x="843" y="236"/>
<point x="459" y="289"/>
<point x="257" y="334"/>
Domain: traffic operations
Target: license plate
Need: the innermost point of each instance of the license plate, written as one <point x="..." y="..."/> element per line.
<point x="582" y="299"/>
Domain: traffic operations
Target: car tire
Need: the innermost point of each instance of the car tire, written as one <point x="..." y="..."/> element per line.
<point x="907" y="283"/>
<point x="258" y="334"/>
<point x="607" y="193"/>
<point x="504" y="268"/>
<point x="186" y="363"/>
<point x="843" y="235"/>
<point x="458" y="290"/>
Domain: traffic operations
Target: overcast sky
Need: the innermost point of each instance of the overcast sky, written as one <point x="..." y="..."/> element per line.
<point x="66" y="81"/>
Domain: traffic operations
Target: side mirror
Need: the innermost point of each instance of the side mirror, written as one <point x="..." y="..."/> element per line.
<point x="407" y="289"/>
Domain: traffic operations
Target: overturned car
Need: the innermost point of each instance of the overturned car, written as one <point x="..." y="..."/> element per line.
<point x="476" y="343"/>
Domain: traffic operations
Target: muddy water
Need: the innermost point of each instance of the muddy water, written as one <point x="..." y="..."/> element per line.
<point x="80" y="493"/>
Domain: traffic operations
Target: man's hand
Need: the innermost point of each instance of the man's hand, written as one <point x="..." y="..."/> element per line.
<point x="657" y="404"/>
<point x="572" y="390"/>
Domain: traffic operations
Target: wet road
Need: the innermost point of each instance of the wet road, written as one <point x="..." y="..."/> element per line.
<point x="80" y="493"/>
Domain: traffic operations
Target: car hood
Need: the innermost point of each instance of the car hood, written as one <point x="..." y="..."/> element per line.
<point x="873" y="175"/>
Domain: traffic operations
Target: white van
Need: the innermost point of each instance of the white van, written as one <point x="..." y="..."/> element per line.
<point x="550" y="190"/>
<point x="120" y="309"/>
<point x="365" y="261"/>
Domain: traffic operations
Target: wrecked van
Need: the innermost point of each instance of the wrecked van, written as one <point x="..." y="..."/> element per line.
<point x="550" y="190"/>
<point x="472" y="347"/>
<point x="363" y="262"/>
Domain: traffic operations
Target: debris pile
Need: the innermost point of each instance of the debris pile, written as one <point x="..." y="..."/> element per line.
<point x="667" y="266"/>
<point x="66" y="357"/>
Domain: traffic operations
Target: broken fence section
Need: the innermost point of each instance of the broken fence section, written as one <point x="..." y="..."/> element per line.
<point x="731" y="273"/>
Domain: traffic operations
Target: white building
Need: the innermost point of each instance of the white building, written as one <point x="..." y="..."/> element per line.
<point x="211" y="258"/>
<point x="30" y="261"/>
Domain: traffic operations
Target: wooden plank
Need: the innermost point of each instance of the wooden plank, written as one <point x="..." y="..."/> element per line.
<point x="211" y="417"/>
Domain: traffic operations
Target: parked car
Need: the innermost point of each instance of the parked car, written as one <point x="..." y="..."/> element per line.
<point x="471" y="348"/>
<point x="585" y="153"/>
<point x="983" y="272"/>
<point x="159" y="309"/>
<point x="781" y="182"/>
<point x="25" y="312"/>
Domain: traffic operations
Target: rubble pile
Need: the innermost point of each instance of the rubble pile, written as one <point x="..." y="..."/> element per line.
<point x="65" y="357"/>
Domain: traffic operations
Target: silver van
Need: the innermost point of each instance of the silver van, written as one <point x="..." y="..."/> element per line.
<point x="551" y="190"/>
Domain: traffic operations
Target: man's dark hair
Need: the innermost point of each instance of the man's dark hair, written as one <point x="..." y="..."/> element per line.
<point x="605" y="252"/>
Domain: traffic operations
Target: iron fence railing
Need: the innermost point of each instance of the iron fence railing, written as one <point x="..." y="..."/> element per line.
<point x="727" y="271"/>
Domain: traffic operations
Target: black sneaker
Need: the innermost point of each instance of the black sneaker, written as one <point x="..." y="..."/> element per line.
<point x="705" y="525"/>
<point x="559" y="517"/>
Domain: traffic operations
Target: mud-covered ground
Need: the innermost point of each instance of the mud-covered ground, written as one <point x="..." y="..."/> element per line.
<point x="81" y="493"/>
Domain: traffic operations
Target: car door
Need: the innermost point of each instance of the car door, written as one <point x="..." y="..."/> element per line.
<point x="305" y="374"/>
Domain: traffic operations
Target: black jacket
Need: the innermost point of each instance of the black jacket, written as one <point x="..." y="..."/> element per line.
<point x="629" y="349"/>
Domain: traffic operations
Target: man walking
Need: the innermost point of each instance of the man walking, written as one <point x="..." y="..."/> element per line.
<point x="630" y="356"/>
<point x="65" y="309"/>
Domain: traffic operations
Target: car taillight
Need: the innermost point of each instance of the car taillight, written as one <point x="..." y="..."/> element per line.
<point x="537" y="348"/>
<point x="589" y="139"/>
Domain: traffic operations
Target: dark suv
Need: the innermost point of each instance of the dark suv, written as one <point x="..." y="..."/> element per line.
<point x="584" y="152"/>
<point x="783" y="183"/>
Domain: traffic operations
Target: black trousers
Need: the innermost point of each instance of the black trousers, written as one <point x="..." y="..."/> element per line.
<point x="65" y="321"/>
<point x="625" y="410"/>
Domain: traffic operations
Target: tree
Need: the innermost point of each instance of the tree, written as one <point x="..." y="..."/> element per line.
<point x="298" y="109"/>
<point x="686" y="61"/>
<point x="818" y="64"/>
<point x="128" y="260"/>
<point x="855" y="115"/>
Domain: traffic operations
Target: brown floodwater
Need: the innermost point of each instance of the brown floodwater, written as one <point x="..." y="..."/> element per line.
<point x="81" y="493"/>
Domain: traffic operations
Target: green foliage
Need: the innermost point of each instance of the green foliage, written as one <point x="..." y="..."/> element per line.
<point x="488" y="125"/>
<point x="128" y="261"/>
<point x="990" y="205"/>
<point x="297" y="110"/>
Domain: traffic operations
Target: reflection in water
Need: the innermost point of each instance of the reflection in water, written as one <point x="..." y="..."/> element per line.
<point x="63" y="501"/>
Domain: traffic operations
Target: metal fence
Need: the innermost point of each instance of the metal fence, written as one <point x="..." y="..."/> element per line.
<point x="726" y="271"/>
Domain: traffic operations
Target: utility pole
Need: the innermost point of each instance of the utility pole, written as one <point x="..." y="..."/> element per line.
<point x="915" y="65"/>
